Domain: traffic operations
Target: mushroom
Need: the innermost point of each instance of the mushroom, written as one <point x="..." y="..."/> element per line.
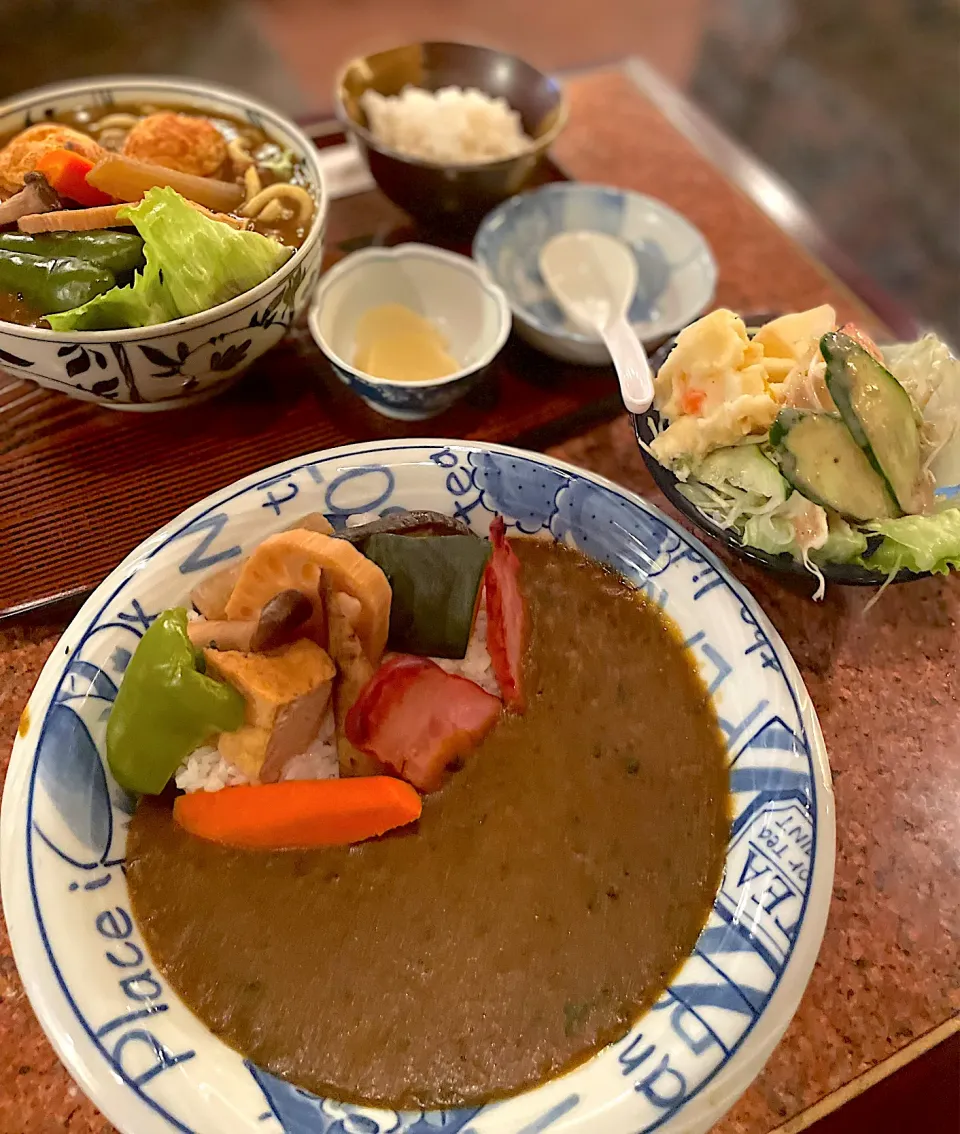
<point x="220" y="634"/>
<point x="278" y="624"/>
<point x="280" y="619"/>
<point x="211" y="594"/>
<point x="36" y="196"/>
<point x="406" y="523"/>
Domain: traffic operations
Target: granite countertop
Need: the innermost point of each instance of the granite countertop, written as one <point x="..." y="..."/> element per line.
<point x="883" y="682"/>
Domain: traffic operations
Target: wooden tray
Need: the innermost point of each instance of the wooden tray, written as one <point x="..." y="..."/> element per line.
<point x="83" y="485"/>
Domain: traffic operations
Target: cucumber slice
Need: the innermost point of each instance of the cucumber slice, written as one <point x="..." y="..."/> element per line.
<point x="436" y="583"/>
<point x="878" y="412"/>
<point x="745" y="467"/>
<point x="820" y="458"/>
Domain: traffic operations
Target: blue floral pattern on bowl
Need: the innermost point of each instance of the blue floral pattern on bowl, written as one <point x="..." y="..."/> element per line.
<point x="407" y="403"/>
<point x="676" y="272"/>
<point x="152" y="1066"/>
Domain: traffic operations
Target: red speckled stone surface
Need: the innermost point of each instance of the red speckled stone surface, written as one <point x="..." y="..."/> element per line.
<point x="884" y="683"/>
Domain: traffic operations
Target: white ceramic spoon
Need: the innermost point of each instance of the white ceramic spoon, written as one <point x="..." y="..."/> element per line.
<point x="593" y="278"/>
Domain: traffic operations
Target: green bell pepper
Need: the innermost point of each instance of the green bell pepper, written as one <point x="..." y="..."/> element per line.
<point x="52" y="284"/>
<point x="165" y="708"/>
<point x="116" y="252"/>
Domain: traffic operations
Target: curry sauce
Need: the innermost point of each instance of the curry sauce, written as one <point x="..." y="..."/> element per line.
<point x="540" y="905"/>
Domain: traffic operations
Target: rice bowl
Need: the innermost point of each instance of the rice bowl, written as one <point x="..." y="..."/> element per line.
<point x="449" y="192"/>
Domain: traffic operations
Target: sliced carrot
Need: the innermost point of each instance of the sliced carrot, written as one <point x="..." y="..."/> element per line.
<point x="66" y="171"/>
<point x="299" y="813"/>
<point x="692" y="401"/>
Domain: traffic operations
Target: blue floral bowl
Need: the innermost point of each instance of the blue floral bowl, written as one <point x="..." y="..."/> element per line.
<point x="449" y="290"/>
<point x="186" y="360"/>
<point x="149" y="1063"/>
<point x="676" y="271"/>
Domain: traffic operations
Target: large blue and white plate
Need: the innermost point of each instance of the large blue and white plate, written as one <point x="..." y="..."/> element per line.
<point x="152" y="1067"/>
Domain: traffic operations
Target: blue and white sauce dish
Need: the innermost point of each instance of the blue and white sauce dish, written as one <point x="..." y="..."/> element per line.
<point x="676" y="271"/>
<point x="148" y="1062"/>
<point x="187" y="360"/>
<point x="449" y="290"/>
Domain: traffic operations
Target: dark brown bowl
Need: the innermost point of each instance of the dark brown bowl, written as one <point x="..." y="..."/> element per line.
<point x="451" y="193"/>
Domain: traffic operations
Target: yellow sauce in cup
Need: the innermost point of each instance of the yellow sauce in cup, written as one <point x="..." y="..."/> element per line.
<point x="396" y="343"/>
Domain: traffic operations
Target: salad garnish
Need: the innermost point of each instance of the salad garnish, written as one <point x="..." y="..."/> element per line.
<point x="807" y="439"/>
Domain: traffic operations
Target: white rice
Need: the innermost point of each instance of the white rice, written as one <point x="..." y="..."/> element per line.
<point x="358" y="519"/>
<point x="450" y="126"/>
<point x="206" y="770"/>
<point x="476" y="664"/>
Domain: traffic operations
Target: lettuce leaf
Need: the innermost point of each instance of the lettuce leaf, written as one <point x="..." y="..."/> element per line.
<point x="844" y="542"/>
<point x="918" y="543"/>
<point x="146" y="302"/>
<point x="772" y="533"/>
<point x="797" y="526"/>
<point x="193" y="263"/>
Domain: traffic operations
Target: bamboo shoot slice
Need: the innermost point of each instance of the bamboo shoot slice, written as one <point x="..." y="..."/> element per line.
<point x="128" y="180"/>
<point x="295" y="560"/>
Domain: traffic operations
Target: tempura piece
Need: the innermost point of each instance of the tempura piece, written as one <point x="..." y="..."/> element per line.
<point x="182" y="142"/>
<point x="20" y="155"/>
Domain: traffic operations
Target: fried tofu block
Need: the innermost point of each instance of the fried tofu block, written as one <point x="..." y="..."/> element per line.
<point x="287" y="692"/>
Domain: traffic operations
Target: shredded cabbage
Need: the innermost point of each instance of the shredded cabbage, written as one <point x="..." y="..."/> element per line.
<point x="931" y="376"/>
<point x="740" y="488"/>
<point x="798" y="527"/>
<point x="772" y="533"/>
<point x="193" y="263"/>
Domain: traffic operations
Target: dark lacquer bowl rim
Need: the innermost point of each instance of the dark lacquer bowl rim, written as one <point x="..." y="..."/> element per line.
<point x="848" y="574"/>
<point x="538" y="146"/>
